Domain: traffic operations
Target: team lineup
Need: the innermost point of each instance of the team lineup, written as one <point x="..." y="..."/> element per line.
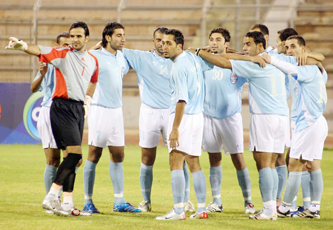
<point x="193" y="99"/>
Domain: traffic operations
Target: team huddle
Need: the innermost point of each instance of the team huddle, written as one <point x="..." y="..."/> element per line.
<point x="193" y="99"/>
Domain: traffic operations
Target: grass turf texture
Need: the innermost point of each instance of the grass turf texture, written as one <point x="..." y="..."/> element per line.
<point x="22" y="192"/>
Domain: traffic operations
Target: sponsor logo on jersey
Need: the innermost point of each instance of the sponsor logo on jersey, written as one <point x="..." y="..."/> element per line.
<point x="233" y="79"/>
<point x="31" y="112"/>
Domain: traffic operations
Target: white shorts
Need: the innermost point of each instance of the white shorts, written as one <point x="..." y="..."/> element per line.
<point x="227" y="132"/>
<point x="45" y="130"/>
<point x="309" y="142"/>
<point x="153" y="123"/>
<point x="190" y="133"/>
<point x="267" y="133"/>
<point x="293" y="129"/>
<point x="106" y="127"/>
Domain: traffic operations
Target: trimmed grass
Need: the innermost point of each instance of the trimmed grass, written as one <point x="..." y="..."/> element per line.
<point x="22" y="192"/>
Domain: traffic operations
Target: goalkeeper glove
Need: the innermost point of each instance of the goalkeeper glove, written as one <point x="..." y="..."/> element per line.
<point x="16" y="44"/>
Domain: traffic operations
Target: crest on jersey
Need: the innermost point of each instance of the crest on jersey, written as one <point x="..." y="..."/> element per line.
<point x="233" y="79"/>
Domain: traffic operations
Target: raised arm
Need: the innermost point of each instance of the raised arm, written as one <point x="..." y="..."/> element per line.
<point x="16" y="44"/>
<point x="255" y="59"/>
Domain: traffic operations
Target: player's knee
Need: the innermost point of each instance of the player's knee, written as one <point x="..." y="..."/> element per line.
<point x="117" y="157"/>
<point x="72" y="160"/>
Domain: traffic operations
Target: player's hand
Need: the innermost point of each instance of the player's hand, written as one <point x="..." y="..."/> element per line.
<point x="259" y="60"/>
<point x="16" y="44"/>
<point x="174" y="139"/>
<point x="98" y="46"/>
<point x="43" y="68"/>
<point x="267" y="58"/>
<point x="301" y="59"/>
<point x="86" y="106"/>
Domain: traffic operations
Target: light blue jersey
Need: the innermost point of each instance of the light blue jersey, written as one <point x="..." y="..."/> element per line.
<point x="153" y="73"/>
<point x="47" y="85"/>
<point x="222" y="93"/>
<point x="310" y="95"/>
<point x="271" y="51"/>
<point x="267" y="90"/>
<point x="187" y="82"/>
<point x="112" y="69"/>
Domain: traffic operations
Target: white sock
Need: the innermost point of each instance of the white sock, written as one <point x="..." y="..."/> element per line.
<point x="67" y="202"/>
<point x="314" y="207"/>
<point x="53" y="194"/>
<point x="284" y="208"/>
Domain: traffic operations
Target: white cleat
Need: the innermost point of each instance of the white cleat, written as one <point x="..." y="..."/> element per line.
<point x="50" y="204"/>
<point x="144" y="206"/>
<point x="199" y="215"/>
<point x="189" y="206"/>
<point x="249" y="209"/>
<point x="49" y="212"/>
<point x="262" y="216"/>
<point x="172" y="216"/>
<point x="213" y="207"/>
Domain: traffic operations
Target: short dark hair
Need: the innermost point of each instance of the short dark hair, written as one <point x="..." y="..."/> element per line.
<point x="225" y="33"/>
<point x="258" y="37"/>
<point x="108" y="30"/>
<point x="263" y="29"/>
<point x="62" y="35"/>
<point x="160" y="29"/>
<point x="82" y="25"/>
<point x="286" y="33"/>
<point x="178" y="36"/>
<point x="299" y="39"/>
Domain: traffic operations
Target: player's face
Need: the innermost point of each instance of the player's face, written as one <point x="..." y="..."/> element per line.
<point x="280" y="45"/>
<point x="217" y="43"/>
<point x="64" y="42"/>
<point x="158" y="42"/>
<point x="170" y="49"/>
<point x="78" y="38"/>
<point x="250" y="48"/>
<point x="117" y="40"/>
<point x="293" y="48"/>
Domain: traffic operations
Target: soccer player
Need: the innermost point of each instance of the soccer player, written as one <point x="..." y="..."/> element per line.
<point x="45" y="80"/>
<point x="76" y="77"/>
<point x="309" y="92"/>
<point x="105" y="119"/>
<point x="153" y="73"/>
<point x="185" y="126"/>
<point x="269" y="111"/>
<point x="223" y="124"/>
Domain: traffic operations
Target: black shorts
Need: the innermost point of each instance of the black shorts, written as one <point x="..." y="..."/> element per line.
<point x="67" y="122"/>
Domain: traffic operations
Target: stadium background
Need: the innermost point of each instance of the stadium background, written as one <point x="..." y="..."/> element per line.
<point x="37" y="21"/>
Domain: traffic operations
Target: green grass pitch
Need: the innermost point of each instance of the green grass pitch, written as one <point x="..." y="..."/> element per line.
<point x="22" y="192"/>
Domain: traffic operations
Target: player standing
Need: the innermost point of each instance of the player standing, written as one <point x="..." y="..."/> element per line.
<point x="105" y="119"/>
<point x="309" y="100"/>
<point x="185" y="126"/>
<point x="223" y="124"/>
<point x="76" y="77"/>
<point x="45" y="80"/>
<point x="153" y="73"/>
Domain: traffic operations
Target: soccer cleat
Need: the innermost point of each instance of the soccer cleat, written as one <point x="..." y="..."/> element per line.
<point x="172" y="216"/>
<point x="49" y="212"/>
<point x="308" y="214"/>
<point x="71" y="212"/>
<point x="199" y="215"/>
<point x="125" y="207"/>
<point x="213" y="207"/>
<point x="189" y="206"/>
<point x="144" y="206"/>
<point x="262" y="216"/>
<point x="90" y="208"/>
<point x="290" y="213"/>
<point x="50" y="204"/>
<point x="249" y="208"/>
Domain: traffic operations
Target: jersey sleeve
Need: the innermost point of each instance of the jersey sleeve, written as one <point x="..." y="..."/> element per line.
<point x="306" y="73"/>
<point x="54" y="55"/>
<point x="94" y="77"/>
<point x="133" y="57"/>
<point x="243" y="69"/>
<point x="205" y="65"/>
<point x="181" y="89"/>
<point x="36" y="77"/>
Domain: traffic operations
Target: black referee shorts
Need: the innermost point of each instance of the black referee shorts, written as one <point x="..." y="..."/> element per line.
<point x="67" y="122"/>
